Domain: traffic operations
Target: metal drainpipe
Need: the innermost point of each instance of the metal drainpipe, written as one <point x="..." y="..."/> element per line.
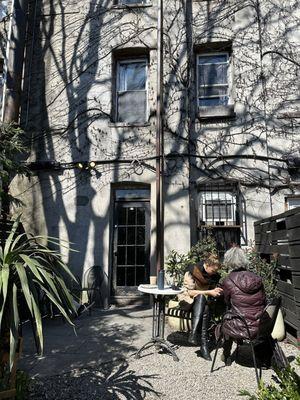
<point x="14" y="71"/>
<point x="159" y="144"/>
<point x="15" y="61"/>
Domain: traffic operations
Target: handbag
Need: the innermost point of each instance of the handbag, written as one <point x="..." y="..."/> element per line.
<point x="278" y="331"/>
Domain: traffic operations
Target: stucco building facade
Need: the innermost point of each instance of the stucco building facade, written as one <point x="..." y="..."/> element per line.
<point x="231" y="127"/>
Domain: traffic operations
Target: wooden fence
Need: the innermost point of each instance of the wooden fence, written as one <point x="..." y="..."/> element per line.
<point x="278" y="237"/>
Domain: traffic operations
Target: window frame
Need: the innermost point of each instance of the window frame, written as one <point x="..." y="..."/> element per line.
<point x="129" y="60"/>
<point x="206" y="54"/>
<point x="288" y="199"/>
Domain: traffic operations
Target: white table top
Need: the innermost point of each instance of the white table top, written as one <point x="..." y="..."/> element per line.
<point x="153" y="289"/>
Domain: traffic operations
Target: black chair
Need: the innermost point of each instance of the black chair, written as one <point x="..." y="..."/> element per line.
<point x="92" y="281"/>
<point x="263" y="341"/>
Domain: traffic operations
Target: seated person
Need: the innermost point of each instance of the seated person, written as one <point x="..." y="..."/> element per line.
<point x="199" y="283"/>
<point x="244" y="294"/>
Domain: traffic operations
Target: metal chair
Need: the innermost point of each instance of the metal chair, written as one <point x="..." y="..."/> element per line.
<point x="92" y="281"/>
<point x="267" y="322"/>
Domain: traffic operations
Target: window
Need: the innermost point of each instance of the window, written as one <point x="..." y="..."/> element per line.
<point x="218" y="208"/>
<point x="126" y="2"/>
<point x="213" y="79"/>
<point x="131" y="93"/>
<point x="292" y="202"/>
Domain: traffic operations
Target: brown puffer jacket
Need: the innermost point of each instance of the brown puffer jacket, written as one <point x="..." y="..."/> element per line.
<point x="244" y="294"/>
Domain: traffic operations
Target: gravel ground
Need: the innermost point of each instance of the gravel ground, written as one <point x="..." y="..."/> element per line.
<point x="153" y="376"/>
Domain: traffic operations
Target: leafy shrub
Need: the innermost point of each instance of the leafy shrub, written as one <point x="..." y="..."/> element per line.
<point x="176" y="263"/>
<point x="287" y="388"/>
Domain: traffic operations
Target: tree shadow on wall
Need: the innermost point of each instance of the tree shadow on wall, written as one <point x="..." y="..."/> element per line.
<point x="109" y="381"/>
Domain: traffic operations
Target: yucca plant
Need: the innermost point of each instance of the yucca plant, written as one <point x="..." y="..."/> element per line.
<point x="28" y="267"/>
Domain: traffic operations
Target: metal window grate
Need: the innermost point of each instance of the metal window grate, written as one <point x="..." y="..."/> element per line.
<point x="218" y="205"/>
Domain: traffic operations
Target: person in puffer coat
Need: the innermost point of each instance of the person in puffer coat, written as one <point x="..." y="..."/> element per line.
<point x="244" y="295"/>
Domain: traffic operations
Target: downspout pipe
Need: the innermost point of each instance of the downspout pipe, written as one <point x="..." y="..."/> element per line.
<point x="15" y="62"/>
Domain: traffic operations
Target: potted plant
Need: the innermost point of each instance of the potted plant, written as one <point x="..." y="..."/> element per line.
<point x="176" y="264"/>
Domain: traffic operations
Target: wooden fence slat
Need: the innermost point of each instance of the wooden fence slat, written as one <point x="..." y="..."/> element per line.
<point x="293" y="221"/>
<point x="286" y="288"/>
<point x="295" y="264"/>
<point x="293" y="234"/>
<point x="294" y="250"/>
<point x="279" y="235"/>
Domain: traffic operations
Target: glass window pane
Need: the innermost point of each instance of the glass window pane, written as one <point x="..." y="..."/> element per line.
<point x="213" y="101"/>
<point x="121" y="216"/>
<point x="218" y="211"/>
<point x="121" y="276"/>
<point x="140" y="235"/>
<point x="136" y="76"/>
<point x="128" y="194"/>
<point x="133" y="1"/>
<point x="132" y="76"/>
<point x="131" y="215"/>
<point x="213" y="59"/>
<point x="213" y="91"/>
<point x="132" y="107"/>
<point x="130" y="277"/>
<point x="121" y="255"/>
<point x="213" y="74"/>
<point x="121" y="235"/>
<point x="131" y="235"/>
<point x="140" y="255"/>
<point x="122" y="77"/>
<point x="130" y="255"/>
<point x="140" y="216"/>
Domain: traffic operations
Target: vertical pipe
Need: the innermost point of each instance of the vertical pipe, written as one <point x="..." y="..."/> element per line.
<point x="159" y="144"/>
<point x="14" y="63"/>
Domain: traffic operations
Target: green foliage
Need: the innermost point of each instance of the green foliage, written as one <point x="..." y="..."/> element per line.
<point x="176" y="263"/>
<point x="265" y="270"/>
<point x="202" y="249"/>
<point x="11" y="147"/>
<point x="26" y="267"/>
<point x="288" y="387"/>
<point x="22" y="383"/>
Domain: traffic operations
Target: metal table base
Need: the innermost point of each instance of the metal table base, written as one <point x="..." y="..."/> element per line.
<point x="158" y="329"/>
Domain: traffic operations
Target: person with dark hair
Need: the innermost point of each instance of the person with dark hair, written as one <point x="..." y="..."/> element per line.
<point x="199" y="283"/>
<point x="244" y="295"/>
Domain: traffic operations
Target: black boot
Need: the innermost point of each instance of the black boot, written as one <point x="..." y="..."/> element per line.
<point x="198" y="309"/>
<point x="226" y="358"/>
<point x="204" y="351"/>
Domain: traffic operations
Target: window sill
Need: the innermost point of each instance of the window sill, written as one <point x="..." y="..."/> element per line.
<point x="124" y="6"/>
<point x="128" y="124"/>
<point x="216" y="113"/>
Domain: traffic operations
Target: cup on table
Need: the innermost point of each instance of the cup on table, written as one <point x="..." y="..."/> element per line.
<point x="153" y="280"/>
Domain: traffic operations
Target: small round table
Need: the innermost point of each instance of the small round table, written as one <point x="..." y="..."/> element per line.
<point x="158" y="317"/>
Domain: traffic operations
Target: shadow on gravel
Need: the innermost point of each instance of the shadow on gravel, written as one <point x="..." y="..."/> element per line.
<point x="109" y="381"/>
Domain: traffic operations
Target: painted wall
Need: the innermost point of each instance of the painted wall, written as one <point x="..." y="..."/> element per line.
<point x="68" y="114"/>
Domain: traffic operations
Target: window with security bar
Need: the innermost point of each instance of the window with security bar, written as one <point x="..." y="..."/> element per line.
<point x="218" y="208"/>
<point x="212" y="77"/>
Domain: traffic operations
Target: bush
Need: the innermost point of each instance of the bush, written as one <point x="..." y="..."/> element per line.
<point x="176" y="263"/>
<point x="287" y="388"/>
